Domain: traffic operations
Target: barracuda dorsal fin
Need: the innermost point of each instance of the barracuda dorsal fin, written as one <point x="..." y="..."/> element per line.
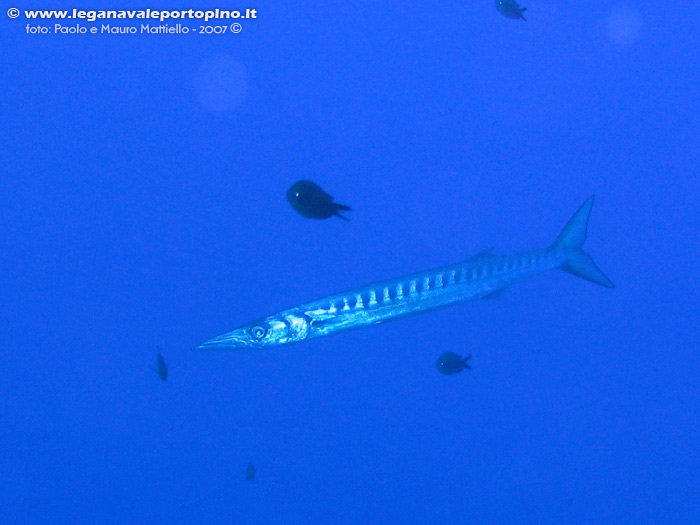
<point x="483" y="255"/>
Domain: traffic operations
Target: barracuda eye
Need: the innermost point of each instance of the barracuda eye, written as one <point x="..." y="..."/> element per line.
<point x="258" y="332"/>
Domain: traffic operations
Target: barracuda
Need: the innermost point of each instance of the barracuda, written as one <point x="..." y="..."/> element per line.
<point x="480" y="276"/>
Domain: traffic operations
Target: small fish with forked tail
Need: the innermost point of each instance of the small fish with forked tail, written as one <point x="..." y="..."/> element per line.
<point x="511" y="9"/>
<point x="450" y="363"/>
<point x="309" y="200"/>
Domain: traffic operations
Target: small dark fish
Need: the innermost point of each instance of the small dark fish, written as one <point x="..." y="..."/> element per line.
<point x="450" y="363"/>
<point x="309" y="199"/>
<point x="250" y="472"/>
<point x="510" y="9"/>
<point x="161" y="368"/>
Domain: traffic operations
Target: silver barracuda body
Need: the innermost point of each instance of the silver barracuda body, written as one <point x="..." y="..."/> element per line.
<point x="480" y="276"/>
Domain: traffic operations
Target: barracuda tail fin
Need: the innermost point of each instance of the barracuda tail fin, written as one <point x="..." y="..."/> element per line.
<point x="571" y="240"/>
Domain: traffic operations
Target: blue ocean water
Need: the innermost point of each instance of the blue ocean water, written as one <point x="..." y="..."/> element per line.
<point x="143" y="207"/>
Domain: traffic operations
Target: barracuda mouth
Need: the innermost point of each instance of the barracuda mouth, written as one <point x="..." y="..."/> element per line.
<point x="230" y="341"/>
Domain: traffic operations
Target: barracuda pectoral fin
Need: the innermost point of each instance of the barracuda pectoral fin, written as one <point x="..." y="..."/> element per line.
<point x="319" y="315"/>
<point x="571" y="241"/>
<point x="494" y="296"/>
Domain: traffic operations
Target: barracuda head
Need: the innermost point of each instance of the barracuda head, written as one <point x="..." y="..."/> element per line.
<point x="285" y="327"/>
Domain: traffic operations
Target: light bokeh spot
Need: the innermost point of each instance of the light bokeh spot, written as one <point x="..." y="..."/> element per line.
<point x="624" y="26"/>
<point x="221" y="83"/>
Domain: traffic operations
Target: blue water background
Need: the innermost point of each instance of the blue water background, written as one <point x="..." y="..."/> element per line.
<point x="143" y="205"/>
